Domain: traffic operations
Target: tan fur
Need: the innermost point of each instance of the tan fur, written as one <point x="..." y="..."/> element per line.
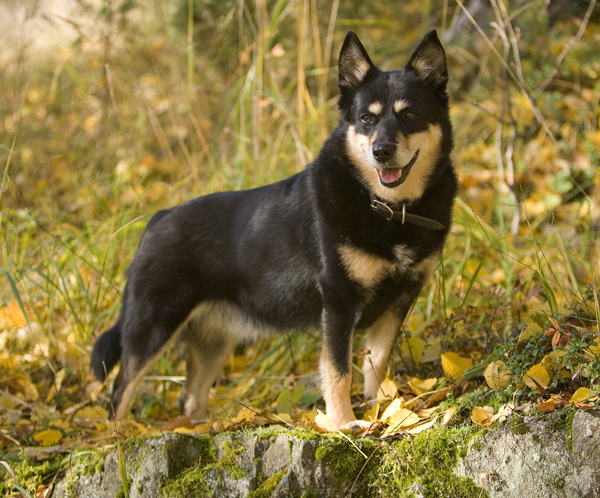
<point x="218" y="317"/>
<point x="375" y="108"/>
<point x="359" y="148"/>
<point x="399" y="105"/>
<point x="205" y="361"/>
<point x="429" y="61"/>
<point x="380" y="339"/>
<point x="426" y="267"/>
<point x="336" y="391"/>
<point x="130" y="388"/>
<point x="366" y="269"/>
<point x="354" y="61"/>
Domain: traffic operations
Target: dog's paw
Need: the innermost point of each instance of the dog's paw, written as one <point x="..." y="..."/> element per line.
<point x="355" y="425"/>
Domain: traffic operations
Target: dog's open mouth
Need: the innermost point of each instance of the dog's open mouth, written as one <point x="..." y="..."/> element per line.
<point x="392" y="177"/>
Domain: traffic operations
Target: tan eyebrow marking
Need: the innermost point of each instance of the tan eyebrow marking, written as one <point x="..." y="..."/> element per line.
<point x="375" y="108"/>
<point x="399" y="105"/>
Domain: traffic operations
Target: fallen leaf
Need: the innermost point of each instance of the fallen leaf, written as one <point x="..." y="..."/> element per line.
<point x="48" y="437"/>
<point x="43" y="491"/>
<point x="419" y="386"/>
<point x="497" y="376"/>
<point x="403" y="418"/>
<point x="537" y="377"/>
<point x="372" y="413"/>
<point x="421" y="427"/>
<point x="245" y="415"/>
<point x="413" y="347"/>
<point x="503" y="412"/>
<point x="180" y="422"/>
<point x="323" y="422"/>
<point x="582" y="394"/>
<point x="448" y="414"/>
<point x="454" y="365"/>
<point x="531" y="330"/>
<point x="387" y="389"/>
<point x="482" y="415"/>
<point x="392" y="408"/>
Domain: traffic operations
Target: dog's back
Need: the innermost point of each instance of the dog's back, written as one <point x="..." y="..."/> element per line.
<point x="346" y="244"/>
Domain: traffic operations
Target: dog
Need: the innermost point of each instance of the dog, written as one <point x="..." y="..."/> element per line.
<point x="345" y="245"/>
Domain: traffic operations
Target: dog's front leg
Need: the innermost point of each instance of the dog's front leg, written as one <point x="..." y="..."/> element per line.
<point x="336" y="365"/>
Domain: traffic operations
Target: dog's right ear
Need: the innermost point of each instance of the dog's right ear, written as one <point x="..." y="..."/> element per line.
<point x="354" y="63"/>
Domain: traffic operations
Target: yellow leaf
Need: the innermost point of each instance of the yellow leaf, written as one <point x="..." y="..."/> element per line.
<point x="552" y="361"/>
<point x="387" y="389"/>
<point x="582" y="394"/>
<point x="204" y="428"/>
<point x="421" y="427"/>
<point x="392" y="408"/>
<point x="455" y="366"/>
<point x="322" y="422"/>
<point x="131" y="428"/>
<point x="244" y="415"/>
<point x="413" y="347"/>
<point x="29" y="390"/>
<point x="531" y="330"/>
<point x="48" y="437"/>
<point x="372" y="413"/>
<point x="539" y="374"/>
<point x="497" y="376"/>
<point x="403" y="418"/>
<point x="482" y="415"/>
<point x="92" y="412"/>
<point x="503" y="412"/>
<point x="432" y="352"/>
<point x="419" y="386"/>
<point x="448" y="414"/>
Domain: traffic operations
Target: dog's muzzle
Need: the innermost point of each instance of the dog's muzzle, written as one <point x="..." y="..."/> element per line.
<point x="392" y="177"/>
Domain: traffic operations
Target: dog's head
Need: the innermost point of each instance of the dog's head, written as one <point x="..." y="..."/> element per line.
<point x="398" y="122"/>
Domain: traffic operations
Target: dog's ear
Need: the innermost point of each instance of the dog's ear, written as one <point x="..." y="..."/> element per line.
<point x="429" y="61"/>
<point x="354" y="63"/>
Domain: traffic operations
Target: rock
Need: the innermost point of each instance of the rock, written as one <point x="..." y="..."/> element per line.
<point x="528" y="460"/>
<point x="532" y="460"/>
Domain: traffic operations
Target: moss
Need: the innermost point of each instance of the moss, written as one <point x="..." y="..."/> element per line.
<point x="29" y="474"/>
<point x="557" y="482"/>
<point x="520" y="429"/>
<point x="267" y="486"/>
<point x="391" y="469"/>
<point x="228" y="461"/>
<point x="311" y="493"/>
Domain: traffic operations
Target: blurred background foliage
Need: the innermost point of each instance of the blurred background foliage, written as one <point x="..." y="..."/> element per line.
<point x="113" y="109"/>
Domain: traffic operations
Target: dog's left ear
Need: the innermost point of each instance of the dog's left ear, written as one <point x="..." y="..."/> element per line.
<point x="429" y="61"/>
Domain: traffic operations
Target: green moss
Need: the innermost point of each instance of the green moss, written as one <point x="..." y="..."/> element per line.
<point x="311" y="493"/>
<point x="228" y="461"/>
<point x="557" y="482"/>
<point x="29" y="474"/>
<point x="520" y="429"/>
<point x="267" y="486"/>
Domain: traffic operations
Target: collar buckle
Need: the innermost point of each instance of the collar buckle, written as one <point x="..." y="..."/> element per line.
<point x="384" y="210"/>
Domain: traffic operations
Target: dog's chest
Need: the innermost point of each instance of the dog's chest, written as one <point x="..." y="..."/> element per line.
<point x="368" y="270"/>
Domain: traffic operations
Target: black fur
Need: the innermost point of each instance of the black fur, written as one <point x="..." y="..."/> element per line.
<point x="273" y="252"/>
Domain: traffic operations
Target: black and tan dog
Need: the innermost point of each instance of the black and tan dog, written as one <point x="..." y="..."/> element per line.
<point x="345" y="245"/>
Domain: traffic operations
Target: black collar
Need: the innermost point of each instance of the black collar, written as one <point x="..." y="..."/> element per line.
<point x="398" y="213"/>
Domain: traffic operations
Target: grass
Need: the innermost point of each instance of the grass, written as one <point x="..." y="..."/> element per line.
<point x="138" y="115"/>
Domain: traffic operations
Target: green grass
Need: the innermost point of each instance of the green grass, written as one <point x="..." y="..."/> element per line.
<point x="217" y="105"/>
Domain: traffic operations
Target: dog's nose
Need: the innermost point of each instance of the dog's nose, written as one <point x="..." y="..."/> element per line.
<point x="384" y="152"/>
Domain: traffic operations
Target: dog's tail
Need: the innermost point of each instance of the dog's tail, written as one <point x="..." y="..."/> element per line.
<point x="106" y="352"/>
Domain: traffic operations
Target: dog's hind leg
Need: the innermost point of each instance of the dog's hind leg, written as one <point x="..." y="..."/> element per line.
<point x="146" y="336"/>
<point x="208" y="351"/>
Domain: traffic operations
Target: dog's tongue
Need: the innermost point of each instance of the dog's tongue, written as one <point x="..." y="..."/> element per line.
<point x="389" y="175"/>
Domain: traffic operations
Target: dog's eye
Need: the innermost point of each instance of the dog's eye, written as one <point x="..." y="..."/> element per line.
<point x="410" y="115"/>
<point x="367" y="118"/>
